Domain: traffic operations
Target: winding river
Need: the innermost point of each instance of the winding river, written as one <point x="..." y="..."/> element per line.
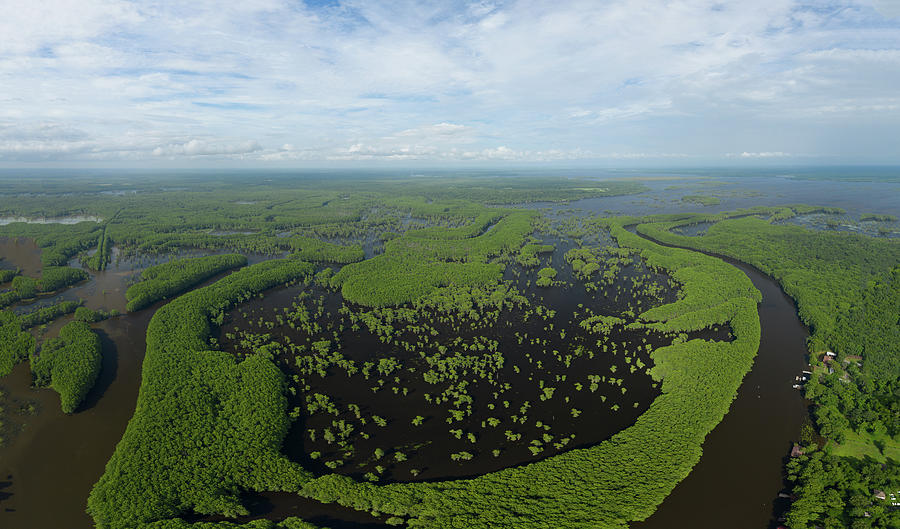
<point x="48" y="467"/>
<point x="738" y="479"/>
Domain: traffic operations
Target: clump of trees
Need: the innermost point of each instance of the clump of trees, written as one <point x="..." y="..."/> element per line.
<point x="69" y="364"/>
<point x="836" y="491"/>
<point x="168" y="279"/>
<point x="7" y="275"/>
<point x="50" y="313"/>
<point x="93" y="316"/>
<point x="205" y="426"/>
<point x="52" y="278"/>
<point x="16" y="344"/>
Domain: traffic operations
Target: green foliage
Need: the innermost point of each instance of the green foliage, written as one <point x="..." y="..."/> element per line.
<point x="53" y="278"/>
<point x="168" y="279"/>
<point x="7" y="275"/>
<point x="847" y="289"/>
<point x="309" y="249"/>
<point x="841" y="492"/>
<point x="528" y="255"/>
<point x="205" y="426"/>
<point x="59" y="277"/>
<point x="92" y="316"/>
<point x="69" y="364"/>
<point x="287" y="523"/>
<point x="25" y="287"/>
<point x="878" y="218"/>
<point x="545" y="277"/>
<point x="48" y="314"/>
<point x="100" y="259"/>
<point x="702" y="200"/>
<point x="416" y="264"/>
<point x="15" y="343"/>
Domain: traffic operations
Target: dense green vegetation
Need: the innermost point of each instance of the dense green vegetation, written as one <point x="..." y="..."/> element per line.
<point x="93" y="316"/>
<point x="16" y="344"/>
<point x="847" y="289"/>
<point x="287" y="523"/>
<point x="877" y="217"/>
<point x="53" y="278"/>
<point x="168" y="279"/>
<point x="49" y="313"/>
<point x="205" y="427"/>
<point x="57" y="277"/>
<point x="702" y="200"/>
<point x="310" y="249"/>
<point x="843" y="492"/>
<point x="101" y="256"/>
<point x="420" y="261"/>
<point x="7" y="275"/>
<point x="69" y="364"/>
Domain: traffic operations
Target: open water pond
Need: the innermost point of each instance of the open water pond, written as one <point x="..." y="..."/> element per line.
<point x="72" y="219"/>
<point x="466" y="385"/>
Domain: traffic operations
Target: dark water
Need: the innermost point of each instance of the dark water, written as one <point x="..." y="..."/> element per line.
<point x="427" y="447"/>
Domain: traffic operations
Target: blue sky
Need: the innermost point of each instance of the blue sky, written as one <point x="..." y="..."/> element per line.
<point x="275" y="83"/>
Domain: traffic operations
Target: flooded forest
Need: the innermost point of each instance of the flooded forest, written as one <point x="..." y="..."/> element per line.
<point x="354" y="350"/>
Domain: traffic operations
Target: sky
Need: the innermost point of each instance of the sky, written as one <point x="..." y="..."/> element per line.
<point x="272" y="83"/>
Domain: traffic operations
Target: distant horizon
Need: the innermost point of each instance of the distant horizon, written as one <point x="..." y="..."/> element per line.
<point x="473" y="167"/>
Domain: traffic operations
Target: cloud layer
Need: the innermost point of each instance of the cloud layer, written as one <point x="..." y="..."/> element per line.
<point x="274" y="82"/>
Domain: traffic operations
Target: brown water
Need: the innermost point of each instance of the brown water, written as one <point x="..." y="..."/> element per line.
<point x="50" y="460"/>
<point x="20" y="253"/>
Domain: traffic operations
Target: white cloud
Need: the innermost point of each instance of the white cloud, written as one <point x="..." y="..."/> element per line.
<point x="519" y="80"/>
<point x="767" y="154"/>
<point x="203" y="148"/>
<point x="889" y="8"/>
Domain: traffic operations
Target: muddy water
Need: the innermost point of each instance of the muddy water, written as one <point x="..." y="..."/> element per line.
<point x="20" y="253"/>
<point x="50" y="460"/>
<point x="739" y="476"/>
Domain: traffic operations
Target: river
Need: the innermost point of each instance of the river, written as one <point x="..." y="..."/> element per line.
<point x="739" y="476"/>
